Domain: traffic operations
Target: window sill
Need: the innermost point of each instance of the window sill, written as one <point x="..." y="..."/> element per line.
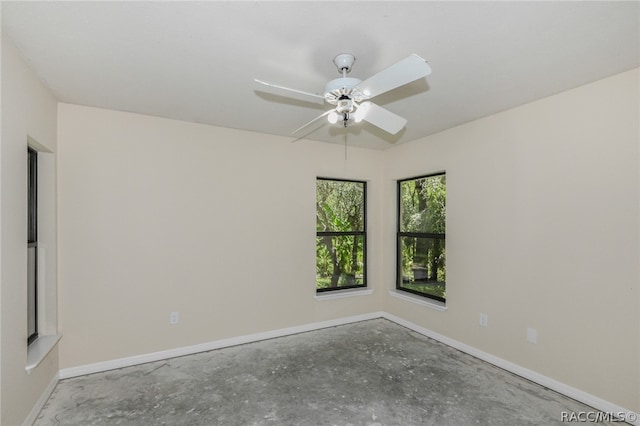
<point x="340" y="294"/>
<point x="422" y="301"/>
<point x="38" y="350"/>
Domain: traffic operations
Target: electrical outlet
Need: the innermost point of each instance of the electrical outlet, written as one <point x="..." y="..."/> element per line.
<point x="532" y="335"/>
<point x="174" y="318"/>
<point x="484" y="320"/>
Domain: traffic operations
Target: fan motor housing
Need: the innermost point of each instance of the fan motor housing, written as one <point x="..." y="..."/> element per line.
<point x="346" y="86"/>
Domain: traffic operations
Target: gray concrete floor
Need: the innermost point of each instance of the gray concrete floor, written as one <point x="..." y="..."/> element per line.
<point x="369" y="373"/>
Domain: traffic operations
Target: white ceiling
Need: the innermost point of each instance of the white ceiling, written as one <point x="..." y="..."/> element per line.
<point x="196" y="61"/>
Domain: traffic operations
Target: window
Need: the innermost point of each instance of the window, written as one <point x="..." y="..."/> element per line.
<point x="32" y="245"/>
<point x="421" y="236"/>
<point x="341" y="238"/>
<point x="41" y="307"/>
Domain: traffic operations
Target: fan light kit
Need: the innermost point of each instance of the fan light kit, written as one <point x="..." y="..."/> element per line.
<point x="350" y="96"/>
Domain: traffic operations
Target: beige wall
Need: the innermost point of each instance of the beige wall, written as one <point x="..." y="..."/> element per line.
<point x="28" y="112"/>
<point x="543" y="232"/>
<point x="159" y="215"/>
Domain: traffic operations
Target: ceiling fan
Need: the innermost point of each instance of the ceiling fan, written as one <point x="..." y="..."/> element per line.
<point x="350" y="96"/>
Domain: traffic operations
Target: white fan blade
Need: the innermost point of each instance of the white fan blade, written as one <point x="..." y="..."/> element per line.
<point x="380" y="117"/>
<point x="293" y="93"/>
<point x="407" y="70"/>
<point x="312" y="121"/>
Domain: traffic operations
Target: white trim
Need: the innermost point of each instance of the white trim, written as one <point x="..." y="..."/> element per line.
<point x="418" y="300"/>
<point x="81" y="370"/>
<point x="32" y="143"/>
<point x="571" y="392"/>
<point x="38" y="350"/>
<point x="340" y="294"/>
<point x="35" y="411"/>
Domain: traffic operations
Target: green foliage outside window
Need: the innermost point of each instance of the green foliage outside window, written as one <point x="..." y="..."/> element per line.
<point x="421" y="236"/>
<point x="340" y="238"/>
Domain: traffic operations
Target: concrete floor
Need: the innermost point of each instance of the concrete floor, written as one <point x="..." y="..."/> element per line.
<point x="369" y="373"/>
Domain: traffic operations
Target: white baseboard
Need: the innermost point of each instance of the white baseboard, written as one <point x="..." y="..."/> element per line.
<point x="98" y="367"/>
<point x="581" y="396"/>
<point x="35" y="411"/>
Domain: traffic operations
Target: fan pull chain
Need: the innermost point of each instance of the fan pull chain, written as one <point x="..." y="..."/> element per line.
<point x="345" y="147"/>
